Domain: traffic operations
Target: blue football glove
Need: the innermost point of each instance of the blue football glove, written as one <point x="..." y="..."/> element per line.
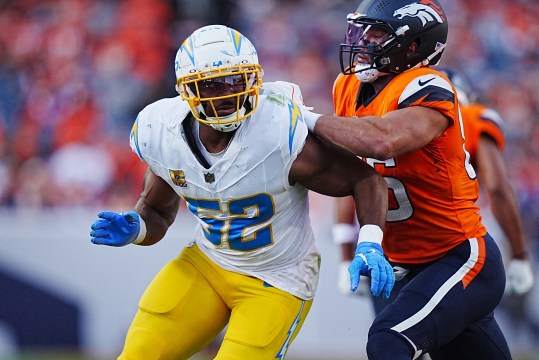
<point x="115" y="229"/>
<point x="370" y="261"/>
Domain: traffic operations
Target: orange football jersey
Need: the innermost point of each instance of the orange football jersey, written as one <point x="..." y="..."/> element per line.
<point x="478" y="120"/>
<point x="432" y="190"/>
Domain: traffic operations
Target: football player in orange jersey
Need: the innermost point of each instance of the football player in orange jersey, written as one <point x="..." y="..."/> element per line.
<point x="402" y="117"/>
<point x="484" y="139"/>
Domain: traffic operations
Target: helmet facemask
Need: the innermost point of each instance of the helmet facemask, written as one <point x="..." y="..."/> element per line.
<point x="364" y="51"/>
<point x="222" y="98"/>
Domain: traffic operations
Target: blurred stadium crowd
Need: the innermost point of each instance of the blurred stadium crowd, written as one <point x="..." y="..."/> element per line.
<point x="75" y="73"/>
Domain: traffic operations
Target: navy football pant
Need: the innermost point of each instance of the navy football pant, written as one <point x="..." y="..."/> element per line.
<point x="445" y="308"/>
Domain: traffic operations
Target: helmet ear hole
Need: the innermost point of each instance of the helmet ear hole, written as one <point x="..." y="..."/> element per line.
<point x="413" y="48"/>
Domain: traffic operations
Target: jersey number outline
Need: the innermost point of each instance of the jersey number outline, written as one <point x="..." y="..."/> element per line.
<point x="405" y="209"/>
<point x="243" y="229"/>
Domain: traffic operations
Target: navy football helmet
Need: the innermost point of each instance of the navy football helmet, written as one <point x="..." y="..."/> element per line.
<point x="404" y="22"/>
<point x="465" y="91"/>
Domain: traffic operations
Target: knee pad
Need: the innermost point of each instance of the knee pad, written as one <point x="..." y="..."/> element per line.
<point x="388" y="344"/>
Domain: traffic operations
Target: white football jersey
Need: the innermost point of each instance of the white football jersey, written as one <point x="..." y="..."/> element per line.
<point x="285" y="88"/>
<point x="250" y="219"/>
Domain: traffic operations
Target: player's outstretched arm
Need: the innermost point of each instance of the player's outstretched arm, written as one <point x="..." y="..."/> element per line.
<point x="397" y="132"/>
<point x="325" y="169"/>
<point x="504" y="206"/>
<point x="154" y="212"/>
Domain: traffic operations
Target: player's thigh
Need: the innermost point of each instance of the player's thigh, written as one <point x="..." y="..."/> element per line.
<point x="179" y="314"/>
<point x="438" y="303"/>
<point x="483" y="340"/>
<point x="263" y="323"/>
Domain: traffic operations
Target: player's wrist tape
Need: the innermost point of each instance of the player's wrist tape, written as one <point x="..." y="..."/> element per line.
<point x="310" y="119"/>
<point x="141" y="233"/>
<point x="344" y="233"/>
<point x="370" y="233"/>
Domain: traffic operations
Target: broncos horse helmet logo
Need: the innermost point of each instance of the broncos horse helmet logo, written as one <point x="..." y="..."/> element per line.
<point x="425" y="10"/>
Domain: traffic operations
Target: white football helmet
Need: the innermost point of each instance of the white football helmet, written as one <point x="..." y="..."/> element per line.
<point x="217" y="65"/>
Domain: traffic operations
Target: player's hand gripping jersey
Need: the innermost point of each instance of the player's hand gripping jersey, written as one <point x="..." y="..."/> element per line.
<point x="250" y="219"/>
<point x="432" y="190"/>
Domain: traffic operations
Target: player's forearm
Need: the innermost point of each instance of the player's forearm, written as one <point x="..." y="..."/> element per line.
<point x="361" y="137"/>
<point x="157" y="221"/>
<point x="505" y="209"/>
<point x="347" y="251"/>
<point x="370" y="197"/>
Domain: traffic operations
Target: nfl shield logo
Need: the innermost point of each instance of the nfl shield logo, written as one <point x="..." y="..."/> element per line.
<point x="209" y="178"/>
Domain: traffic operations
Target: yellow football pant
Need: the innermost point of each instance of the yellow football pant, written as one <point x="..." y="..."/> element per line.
<point x="192" y="299"/>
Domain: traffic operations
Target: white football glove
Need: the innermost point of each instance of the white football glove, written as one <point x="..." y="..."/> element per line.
<point x="519" y="277"/>
<point x="343" y="281"/>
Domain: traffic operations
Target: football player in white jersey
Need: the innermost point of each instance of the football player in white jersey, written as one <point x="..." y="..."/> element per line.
<point x="243" y="162"/>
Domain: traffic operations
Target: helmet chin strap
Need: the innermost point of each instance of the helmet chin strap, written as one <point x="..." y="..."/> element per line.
<point x="366" y="73"/>
<point x="427" y="61"/>
<point x="231" y="126"/>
